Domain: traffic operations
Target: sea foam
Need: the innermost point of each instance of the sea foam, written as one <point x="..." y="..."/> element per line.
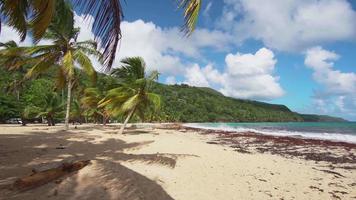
<point x="341" y="137"/>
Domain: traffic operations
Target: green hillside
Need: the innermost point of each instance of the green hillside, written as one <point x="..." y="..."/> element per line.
<point x="193" y="104"/>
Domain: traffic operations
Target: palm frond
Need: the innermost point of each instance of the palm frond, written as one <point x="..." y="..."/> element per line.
<point x="15" y="14"/>
<point x="44" y="11"/>
<point x="38" y="49"/>
<point x="191" y="13"/>
<point x="41" y="65"/>
<point x="85" y="64"/>
<point x="107" y="15"/>
<point x="155" y="100"/>
<point x="88" y="44"/>
<point x="89" y="47"/>
<point x="63" y="20"/>
<point x="13" y="58"/>
<point x="68" y="64"/>
<point x="131" y="103"/>
<point x="131" y="69"/>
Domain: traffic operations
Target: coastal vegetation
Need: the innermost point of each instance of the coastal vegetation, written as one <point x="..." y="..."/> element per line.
<point x="178" y="103"/>
<point x="52" y="21"/>
<point x="133" y="94"/>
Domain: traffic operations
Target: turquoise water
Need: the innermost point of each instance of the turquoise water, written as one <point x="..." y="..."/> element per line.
<point x="339" y="131"/>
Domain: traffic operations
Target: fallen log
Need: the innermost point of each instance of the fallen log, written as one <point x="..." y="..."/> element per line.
<point x="40" y="178"/>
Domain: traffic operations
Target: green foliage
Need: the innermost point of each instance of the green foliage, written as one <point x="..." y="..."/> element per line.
<point x="183" y="103"/>
<point x="134" y="92"/>
<point x="90" y="102"/>
<point x="51" y="108"/>
<point x="9" y="108"/>
<point x="37" y="91"/>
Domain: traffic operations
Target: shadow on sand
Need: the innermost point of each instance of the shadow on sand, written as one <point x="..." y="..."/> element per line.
<point x="104" y="178"/>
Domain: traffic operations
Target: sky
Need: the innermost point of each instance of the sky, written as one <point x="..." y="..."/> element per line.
<point x="300" y="53"/>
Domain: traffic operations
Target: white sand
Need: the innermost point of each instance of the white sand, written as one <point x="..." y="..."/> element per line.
<point x="159" y="164"/>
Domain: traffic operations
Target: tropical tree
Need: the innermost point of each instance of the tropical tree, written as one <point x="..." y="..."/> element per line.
<point x="65" y="53"/>
<point x="133" y="96"/>
<point x="91" y="101"/>
<point x="77" y="112"/>
<point x="14" y="61"/>
<point x="37" y="15"/>
<point x="50" y="109"/>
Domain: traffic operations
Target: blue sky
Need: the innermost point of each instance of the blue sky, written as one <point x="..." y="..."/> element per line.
<point x="294" y="77"/>
<point x="300" y="53"/>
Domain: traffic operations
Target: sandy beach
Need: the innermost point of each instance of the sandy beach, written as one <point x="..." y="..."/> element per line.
<point x="160" y="162"/>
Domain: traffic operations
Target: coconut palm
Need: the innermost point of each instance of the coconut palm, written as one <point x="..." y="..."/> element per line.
<point x="90" y="101"/>
<point x="50" y="109"/>
<point x="37" y="16"/>
<point x="15" y="57"/>
<point x="133" y="96"/>
<point x="65" y="53"/>
<point x="14" y="61"/>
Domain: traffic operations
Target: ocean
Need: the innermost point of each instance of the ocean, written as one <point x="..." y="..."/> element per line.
<point x="336" y="131"/>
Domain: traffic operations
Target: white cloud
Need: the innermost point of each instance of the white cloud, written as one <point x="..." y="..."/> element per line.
<point x="8" y="33"/>
<point x="251" y="64"/>
<point x="162" y="48"/>
<point x="291" y="25"/>
<point x="195" y="76"/>
<point x="338" y="92"/>
<point x="247" y="76"/>
<point x="335" y="81"/>
<point x="251" y="76"/>
<point x="171" y="80"/>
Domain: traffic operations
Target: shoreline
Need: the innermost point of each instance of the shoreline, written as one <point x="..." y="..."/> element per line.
<point x="271" y="133"/>
<point x="304" y="148"/>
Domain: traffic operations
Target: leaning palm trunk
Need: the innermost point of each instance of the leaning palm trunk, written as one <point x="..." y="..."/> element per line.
<point x="126" y="120"/>
<point x="68" y="104"/>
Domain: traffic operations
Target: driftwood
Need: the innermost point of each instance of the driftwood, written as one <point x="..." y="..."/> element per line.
<point x="40" y="178"/>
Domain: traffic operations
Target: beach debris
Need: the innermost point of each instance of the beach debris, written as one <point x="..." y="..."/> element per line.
<point x="316" y="188"/>
<point x="336" y="174"/>
<point x="335" y="153"/>
<point x="60" y="146"/>
<point x="334" y="196"/>
<point x="38" y="178"/>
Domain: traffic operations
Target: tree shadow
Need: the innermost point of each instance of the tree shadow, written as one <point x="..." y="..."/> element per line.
<point x="105" y="178"/>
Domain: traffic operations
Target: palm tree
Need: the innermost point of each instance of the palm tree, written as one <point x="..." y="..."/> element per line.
<point x="14" y="61"/>
<point x="37" y="16"/>
<point x="52" y="106"/>
<point x="90" y="101"/>
<point x="133" y="96"/>
<point x="77" y="113"/>
<point x="11" y="62"/>
<point x="65" y="53"/>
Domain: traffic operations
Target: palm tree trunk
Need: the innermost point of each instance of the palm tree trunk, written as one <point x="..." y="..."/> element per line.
<point x="68" y="104"/>
<point x="104" y="120"/>
<point x="126" y="120"/>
